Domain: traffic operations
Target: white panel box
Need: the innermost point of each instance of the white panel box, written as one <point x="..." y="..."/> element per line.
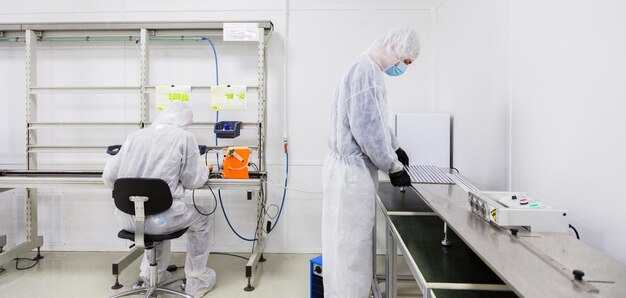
<point x="425" y="137"/>
<point x="517" y="209"/>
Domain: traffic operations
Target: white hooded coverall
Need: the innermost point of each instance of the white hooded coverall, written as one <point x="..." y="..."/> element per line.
<point x="360" y="144"/>
<point x="167" y="151"/>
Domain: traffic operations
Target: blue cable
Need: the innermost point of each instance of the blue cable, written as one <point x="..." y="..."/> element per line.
<point x="217" y="69"/>
<point x="217" y="82"/>
<point x="280" y="211"/>
<point x="229" y="224"/>
<point x="217" y="155"/>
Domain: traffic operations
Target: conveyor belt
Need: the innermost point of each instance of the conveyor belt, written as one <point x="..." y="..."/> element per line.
<point x="394" y="201"/>
<point x="421" y="235"/>
<point x="443" y="293"/>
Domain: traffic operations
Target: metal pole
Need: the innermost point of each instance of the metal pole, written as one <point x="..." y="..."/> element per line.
<point x="31" y="99"/>
<point x="31" y="116"/>
<point x="445" y="242"/>
<point x="144" y="62"/>
<point x="374" y="279"/>
<point x="390" y="285"/>
<point x="262" y="106"/>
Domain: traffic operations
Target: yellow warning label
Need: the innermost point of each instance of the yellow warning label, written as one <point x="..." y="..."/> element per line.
<point x="494" y="214"/>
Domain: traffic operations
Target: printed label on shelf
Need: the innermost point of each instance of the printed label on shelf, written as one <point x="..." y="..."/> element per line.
<point x="241" y="32"/>
<point x="228" y="98"/>
<point x="169" y="93"/>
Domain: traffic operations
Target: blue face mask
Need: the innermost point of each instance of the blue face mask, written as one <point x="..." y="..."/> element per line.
<point x="396" y="70"/>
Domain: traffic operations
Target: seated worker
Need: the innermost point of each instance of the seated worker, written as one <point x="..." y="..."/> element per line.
<point x="167" y="151"/>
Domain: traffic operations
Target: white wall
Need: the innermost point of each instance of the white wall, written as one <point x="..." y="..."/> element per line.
<point x="568" y="144"/>
<point x="536" y="90"/>
<point x="540" y="85"/>
<point x="323" y="38"/>
<point x="472" y="84"/>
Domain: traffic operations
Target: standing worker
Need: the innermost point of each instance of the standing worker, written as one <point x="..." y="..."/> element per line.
<point x="361" y="143"/>
<point x="167" y="151"/>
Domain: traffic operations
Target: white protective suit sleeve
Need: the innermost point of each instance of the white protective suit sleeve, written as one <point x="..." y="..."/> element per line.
<point x="109" y="174"/>
<point x="112" y="167"/>
<point x="193" y="172"/>
<point x="370" y="130"/>
<point x="395" y="145"/>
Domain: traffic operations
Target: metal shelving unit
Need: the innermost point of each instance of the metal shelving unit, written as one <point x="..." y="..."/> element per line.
<point x="33" y="34"/>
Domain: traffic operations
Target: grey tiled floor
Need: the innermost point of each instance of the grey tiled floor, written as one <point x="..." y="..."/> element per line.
<point x="88" y="274"/>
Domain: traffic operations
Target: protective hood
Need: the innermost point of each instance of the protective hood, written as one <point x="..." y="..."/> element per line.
<point x="177" y="114"/>
<point x="396" y="45"/>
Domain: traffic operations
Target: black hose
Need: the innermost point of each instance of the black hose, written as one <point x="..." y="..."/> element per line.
<point x="193" y="200"/>
<point x="575" y="231"/>
<point x="230" y="255"/>
<point x="17" y="260"/>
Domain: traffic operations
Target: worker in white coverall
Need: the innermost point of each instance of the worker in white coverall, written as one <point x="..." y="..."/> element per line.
<point x="167" y="151"/>
<point x="361" y="143"/>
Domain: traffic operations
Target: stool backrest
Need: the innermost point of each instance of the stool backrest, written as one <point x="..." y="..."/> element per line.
<point x="157" y="191"/>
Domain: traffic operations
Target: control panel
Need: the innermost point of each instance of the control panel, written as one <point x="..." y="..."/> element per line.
<point x="518" y="209"/>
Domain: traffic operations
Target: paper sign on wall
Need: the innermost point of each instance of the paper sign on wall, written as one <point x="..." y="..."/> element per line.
<point x="169" y="93"/>
<point x="241" y="32"/>
<point x="228" y="98"/>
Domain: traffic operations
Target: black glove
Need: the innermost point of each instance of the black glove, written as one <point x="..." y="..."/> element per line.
<point x="400" y="178"/>
<point x="402" y="157"/>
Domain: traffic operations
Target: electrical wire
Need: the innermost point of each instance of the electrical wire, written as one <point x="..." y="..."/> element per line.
<point x="172" y="268"/>
<point x="575" y="231"/>
<point x="230" y="255"/>
<point x="217" y="115"/>
<point x="217" y="68"/>
<point x="457" y="170"/>
<point x="228" y="220"/>
<point x="282" y="204"/>
<point x="193" y="200"/>
<point x="254" y="166"/>
<point x="289" y="188"/>
<point x="17" y="261"/>
<point x="217" y="118"/>
<point x="193" y="196"/>
<point x="268" y="208"/>
<point x="217" y="82"/>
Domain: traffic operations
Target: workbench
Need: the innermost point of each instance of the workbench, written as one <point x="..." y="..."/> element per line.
<point x="31" y="180"/>
<point x="484" y="260"/>
<point x="414" y="228"/>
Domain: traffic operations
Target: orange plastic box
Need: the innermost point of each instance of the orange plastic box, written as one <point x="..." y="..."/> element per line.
<point x="236" y="163"/>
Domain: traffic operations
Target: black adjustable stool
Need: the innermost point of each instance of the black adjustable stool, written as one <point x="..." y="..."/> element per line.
<point x="142" y="197"/>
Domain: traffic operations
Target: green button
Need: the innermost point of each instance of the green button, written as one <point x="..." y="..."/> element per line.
<point x="535" y="205"/>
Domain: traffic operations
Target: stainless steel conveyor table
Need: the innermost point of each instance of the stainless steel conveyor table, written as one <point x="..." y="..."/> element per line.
<point x="415" y="228"/>
<point x="523" y="270"/>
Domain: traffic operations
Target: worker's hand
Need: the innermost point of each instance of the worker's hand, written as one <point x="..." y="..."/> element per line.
<point x="210" y="167"/>
<point x="400" y="178"/>
<point x="402" y="157"/>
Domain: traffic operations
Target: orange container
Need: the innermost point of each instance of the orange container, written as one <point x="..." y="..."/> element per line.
<point x="235" y="164"/>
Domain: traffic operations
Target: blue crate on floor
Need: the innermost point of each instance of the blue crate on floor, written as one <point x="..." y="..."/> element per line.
<point x="317" y="279"/>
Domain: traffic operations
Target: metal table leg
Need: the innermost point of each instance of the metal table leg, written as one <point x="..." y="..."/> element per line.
<point x="375" y="286"/>
<point x="391" y="278"/>
<point x="32" y="239"/>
